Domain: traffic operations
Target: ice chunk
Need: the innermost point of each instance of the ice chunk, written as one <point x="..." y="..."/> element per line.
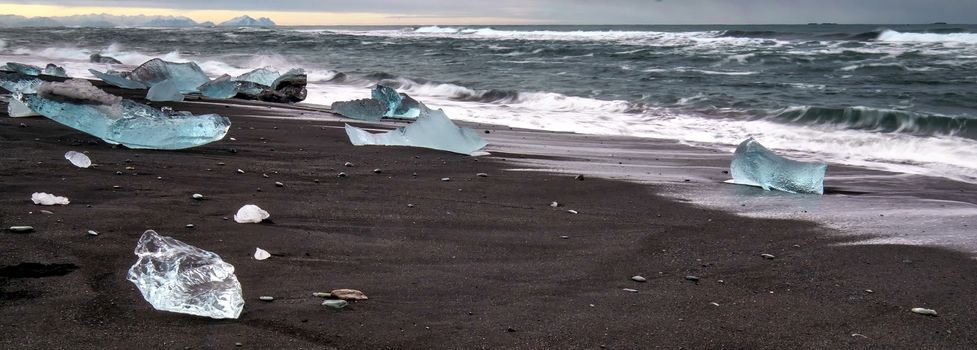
<point x="187" y="76"/>
<point x="166" y="90"/>
<point x="754" y="165"/>
<point x="178" y="277"/>
<point x="263" y="76"/>
<point x="364" y="109"/>
<point x="398" y="105"/>
<point x="16" y="82"/>
<point x="98" y="58"/>
<point x="118" y="79"/>
<point x="78" y="159"/>
<point x="250" y="214"/>
<point x="41" y="198"/>
<point x="433" y="130"/>
<point x="288" y="88"/>
<point x="261" y="254"/>
<point x="220" y="88"/>
<point x="53" y="70"/>
<point x="18" y="109"/>
<point x="78" y="104"/>
<point x="27" y="69"/>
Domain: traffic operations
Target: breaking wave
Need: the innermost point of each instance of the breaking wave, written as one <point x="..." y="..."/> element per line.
<point x="894" y="36"/>
<point x="881" y="120"/>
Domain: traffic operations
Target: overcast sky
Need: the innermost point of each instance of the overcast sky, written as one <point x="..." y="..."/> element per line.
<point x="548" y="11"/>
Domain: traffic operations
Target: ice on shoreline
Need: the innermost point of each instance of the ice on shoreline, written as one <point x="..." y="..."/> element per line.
<point x="433" y="130"/>
<point x="755" y="165"/>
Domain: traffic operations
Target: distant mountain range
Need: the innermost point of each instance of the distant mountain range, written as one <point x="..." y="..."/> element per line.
<point x="105" y="20"/>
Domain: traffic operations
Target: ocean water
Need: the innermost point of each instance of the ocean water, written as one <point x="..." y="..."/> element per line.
<point x="890" y="97"/>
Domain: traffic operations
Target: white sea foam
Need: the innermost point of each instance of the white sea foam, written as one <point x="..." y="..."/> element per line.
<point x="894" y="36"/>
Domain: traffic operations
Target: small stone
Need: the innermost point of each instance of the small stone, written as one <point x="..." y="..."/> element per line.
<point x="481" y="175"/>
<point x="239" y="171"/>
<point x="348" y="164"/>
<point x="238" y="344"/>
<point x="48" y="212"/>
<point x="220" y="163"/>
<point x="767" y="256"/>
<point x="21" y="229"/>
<point x="335" y="303"/>
<point x="578" y="177"/>
<point x="118" y="173"/>
<point x="264" y="175"/>
<point x="321" y="295"/>
<point x="377" y="171"/>
<point x="116" y="187"/>
<point x="279" y="184"/>
<point x="266" y="298"/>
<point x="639" y="279"/>
<point x="692" y="278"/>
<point x="629" y="290"/>
<point x="315" y="180"/>
<point x="565" y="237"/>
<point x="348" y="294"/>
<point x="130" y="168"/>
<point x="554" y="204"/>
<point x="198" y="196"/>
<point x="233" y="139"/>
<point x="714" y="303"/>
<point x="92" y="233"/>
<point x="510" y="329"/>
<point x="341" y="174"/>
<point x="922" y="311"/>
<point x="410" y="205"/>
<point x="445" y="179"/>
<point x="720" y="281"/>
<point x="571" y="211"/>
<point x="190" y="226"/>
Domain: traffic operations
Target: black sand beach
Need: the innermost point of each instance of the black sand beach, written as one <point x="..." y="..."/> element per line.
<point x="475" y="262"/>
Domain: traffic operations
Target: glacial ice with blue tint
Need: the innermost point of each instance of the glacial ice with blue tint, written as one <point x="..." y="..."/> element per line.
<point x="17" y="109"/>
<point x="21" y="68"/>
<point x="187" y="76"/>
<point x="55" y="71"/>
<point x="263" y="76"/>
<point x="178" y="277"/>
<point x="363" y="109"/>
<point x="220" y="88"/>
<point x="166" y="90"/>
<point x="118" y="79"/>
<point x="432" y="130"/>
<point x="78" y="104"/>
<point x="400" y="106"/>
<point x="16" y="82"/>
<point x="754" y="165"/>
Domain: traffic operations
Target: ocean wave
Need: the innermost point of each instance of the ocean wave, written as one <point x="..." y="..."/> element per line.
<point x="699" y="71"/>
<point x="881" y="120"/>
<point x="894" y="36"/>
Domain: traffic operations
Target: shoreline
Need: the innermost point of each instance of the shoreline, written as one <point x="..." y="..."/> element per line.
<point x="476" y="263"/>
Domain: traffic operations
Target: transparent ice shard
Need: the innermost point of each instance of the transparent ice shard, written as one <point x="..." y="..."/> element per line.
<point x="187" y="76"/>
<point x="263" y="76"/>
<point x="398" y="105"/>
<point x="220" y="88"/>
<point x="53" y="70"/>
<point x="166" y="90"/>
<point x="178" y="277"/>
<point x="364" y="109"/>
<point x="18" y="109"/>
<point x="41" y="198"/>
<point x="432" y="130"/>
<point x="16" y="82"/>
<point x="78" y="104"/>
<point x="78" y="159"/>
<point x="754" y="165"/>
<point x="118" y="79"/>
<point x="27" y="69"/>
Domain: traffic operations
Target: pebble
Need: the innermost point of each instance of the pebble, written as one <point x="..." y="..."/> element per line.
<point x="264" y="175"/>
<point x="638" y="279"/>
<point x="554" y="204"/>
<point x="335" y="303"/>
<point x="377" y="171"/>
<point x="869" y="291"/>
<point x="279" y="184"/>
<point x="48" y="212"/>
<point x="692" y="278"/>
<point x="321" y="295"/>
<point x="410" y="205"/>
<point x="238" y="344"/>
<point x="571" y="211"/>
<point x="190" y="226"/>
<point x="446" y="179"/>
<point x="578" y="177"/>
<point x="768" y="256"/>
<point x="565" y="237"/>
<point x="922" y="311"/>
<point x="481" y="175"/>
<point x="21" y="229"/>
<point x="629" y="290"/>
<point x="341" y="174"/>
<point x="714" y="303"/>
<point x="348" y="164"/>
<point x="92" y="233"/>
<point x="198" y="196"/>
<point x="116" y="187"/>
<point x="266" y="298"/>
<point x="239" y="171"/>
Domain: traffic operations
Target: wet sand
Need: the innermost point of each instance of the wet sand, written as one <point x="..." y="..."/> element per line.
<point x="476" y="262"/>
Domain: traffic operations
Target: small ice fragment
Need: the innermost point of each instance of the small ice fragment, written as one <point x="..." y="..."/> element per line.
<point x="335" y="303"/>
<point x="41" y="198"/>
<point x="27" y="69"/>
<point x="923" y="311"/>
<point x="53" y="70"/>
<point x="16" y="82"/>
<point x="250" y="214"/>
<point x="78" y="104"/>
<point x="261" y="254"/>
<point x="177" y="277"/>
<point x="166" y="90"/>
<point x="755" y="165"/>
<point x="434" y="131"/>
<point x="78" y="159"/>
<point x="118" y="80"/>
<point x="364" y="109"/>
<point x="18" y="109"/>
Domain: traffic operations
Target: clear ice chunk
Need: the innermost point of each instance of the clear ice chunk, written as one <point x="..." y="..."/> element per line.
<point x="27" y="69"/>
<point x="53" y="70"/>
<point x="398" y="105"/>
<point x="754" y="165"/>
<point x="221" y="88"/>
<point x="166" y="90"/>
<point x="187" y="76"/>
<point x="118" y="79"/>
<point x="263" y="76"/>
<point x="363" y="109"/>
<point x="18" y="109"/>
<point x="250" y="214"/>
<point x="16" y="82"/>
<point x="178" y="277"/>
<point x="41" y="198"/>
<point x="78" y="104"/>
<point x="78" y="159"/>
<point x="433" y="130"/>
